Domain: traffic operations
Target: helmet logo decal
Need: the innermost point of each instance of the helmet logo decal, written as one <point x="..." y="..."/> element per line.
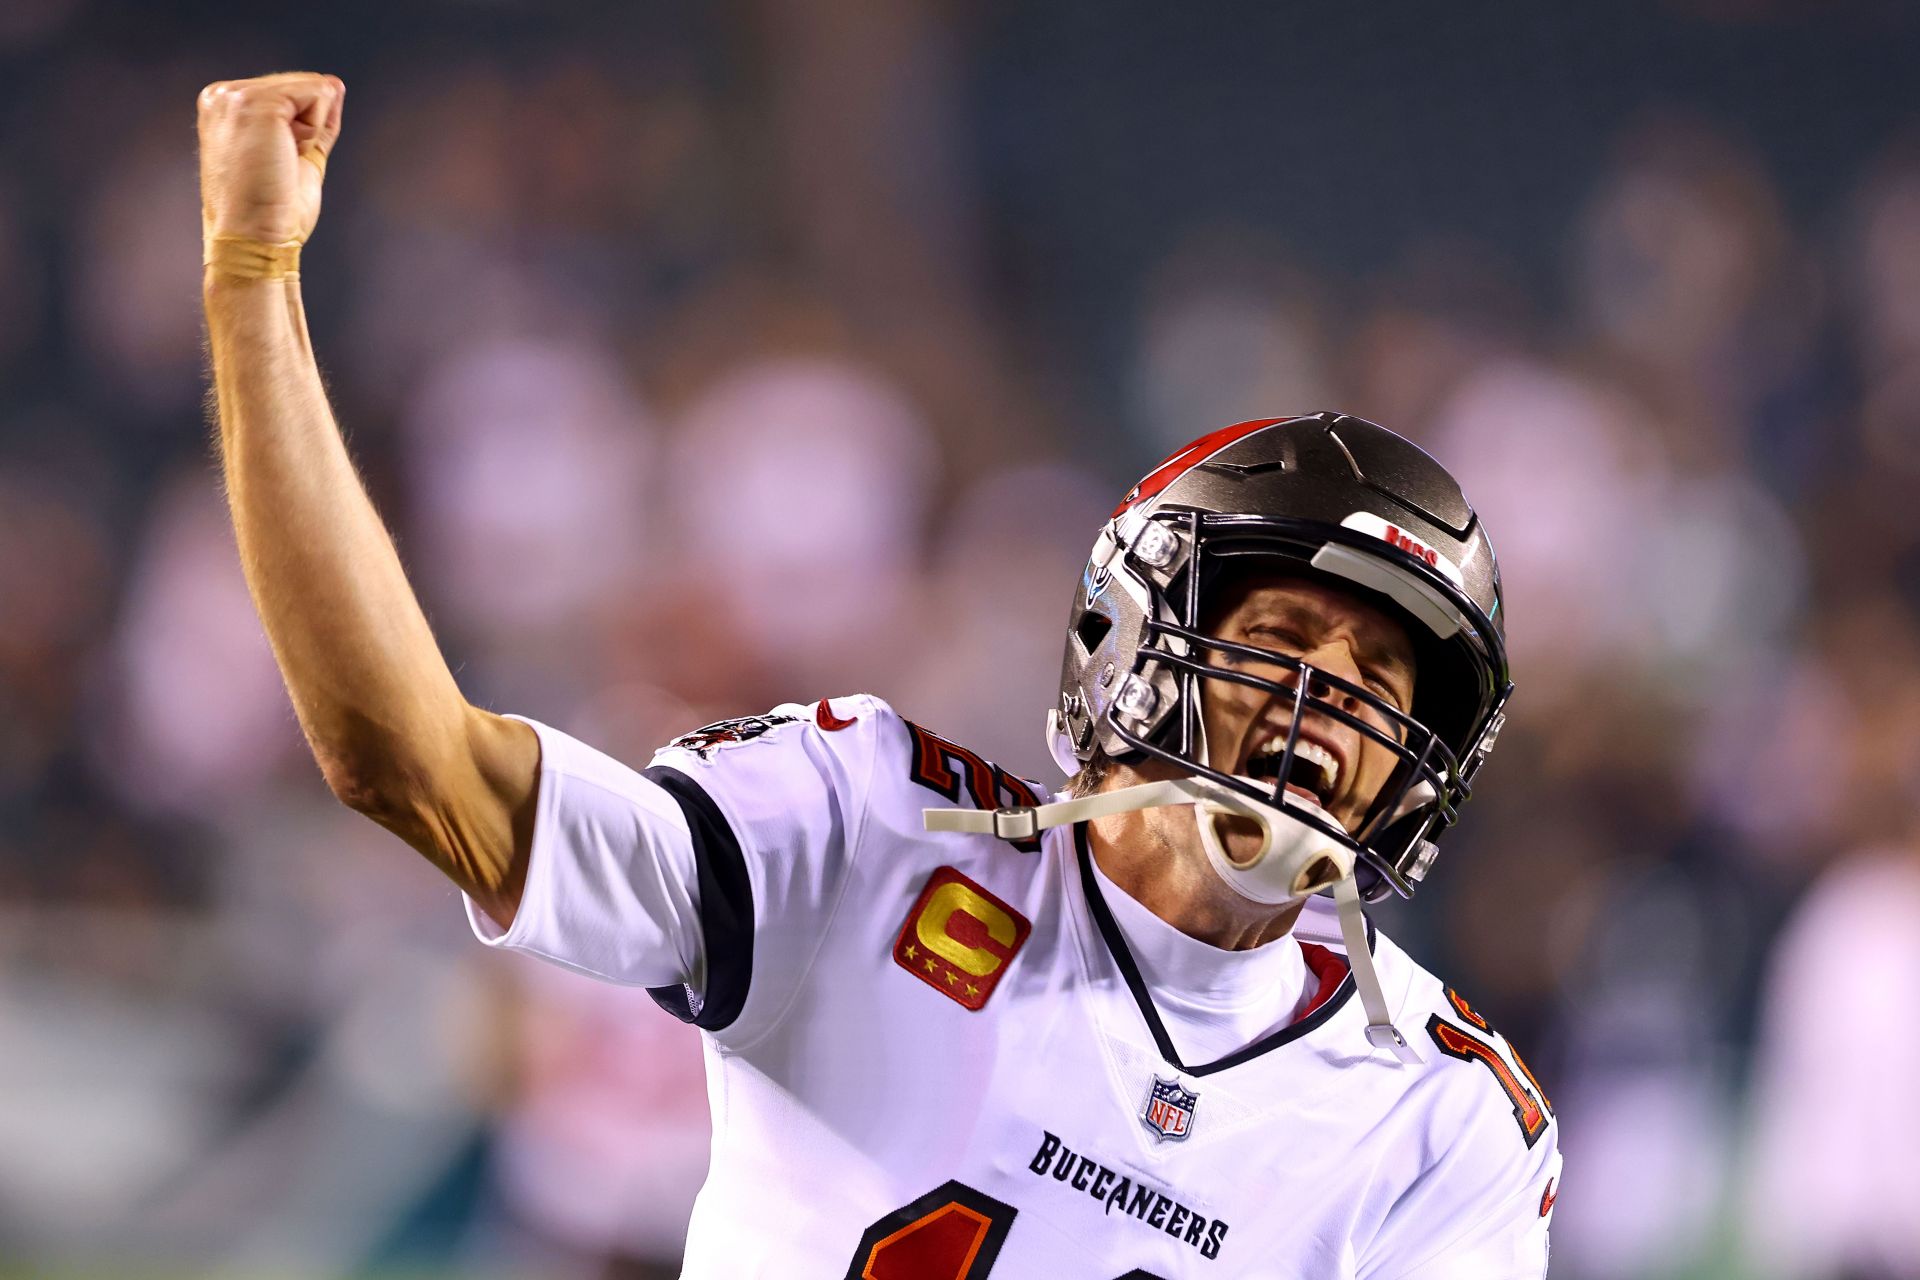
<point x="1394" y="535"/>
<point x="1188" y="458"/>
<point x="1407" y="542"/>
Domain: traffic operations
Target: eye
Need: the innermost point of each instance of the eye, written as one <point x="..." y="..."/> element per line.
<point x="1385" y="690"/>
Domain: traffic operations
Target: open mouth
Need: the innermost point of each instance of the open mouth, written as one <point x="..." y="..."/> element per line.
<point x="1315" y="774"/>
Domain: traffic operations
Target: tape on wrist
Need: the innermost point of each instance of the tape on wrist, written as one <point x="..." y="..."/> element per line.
<point x="247" y="259"/>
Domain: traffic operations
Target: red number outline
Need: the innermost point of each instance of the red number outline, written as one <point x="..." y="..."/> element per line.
<point x="1465" y="1010"/>
<point x="977" y="1250"/>
<point x="895" y="1234"/>
<point x="1529" y="1111"/>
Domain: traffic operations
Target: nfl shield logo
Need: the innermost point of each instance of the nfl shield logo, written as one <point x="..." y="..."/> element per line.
<point x="1169" y="1110"/>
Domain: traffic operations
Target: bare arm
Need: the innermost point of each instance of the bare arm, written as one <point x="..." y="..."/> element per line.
<point x="391" y="731"/>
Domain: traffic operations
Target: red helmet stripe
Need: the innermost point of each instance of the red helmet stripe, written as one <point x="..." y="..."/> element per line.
<point x="1193" y="455"/>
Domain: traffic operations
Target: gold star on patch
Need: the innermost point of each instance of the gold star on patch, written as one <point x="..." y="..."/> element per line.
<point x="929" y="964"/>
<point x="972" y="990"/>
<point x="951" y="979"/>
<point x="913" y="952"/>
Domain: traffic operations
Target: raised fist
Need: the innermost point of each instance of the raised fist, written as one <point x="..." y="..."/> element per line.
<point x="263" y="152"/>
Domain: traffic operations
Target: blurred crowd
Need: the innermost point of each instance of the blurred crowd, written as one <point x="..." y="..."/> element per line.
<point x="697" y="368"/>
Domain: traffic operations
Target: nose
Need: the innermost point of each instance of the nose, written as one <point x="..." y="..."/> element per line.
<point x="1335" y="659"/>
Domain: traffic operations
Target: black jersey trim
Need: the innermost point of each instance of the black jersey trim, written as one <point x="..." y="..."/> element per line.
<point x="726" y="910"/>
<point x="1123" y="956"/>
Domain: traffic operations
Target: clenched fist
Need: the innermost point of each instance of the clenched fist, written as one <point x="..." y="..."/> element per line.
<point x="263" y="152"/>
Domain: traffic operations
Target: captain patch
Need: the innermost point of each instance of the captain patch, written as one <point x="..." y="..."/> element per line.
<point x="959" y="939"/>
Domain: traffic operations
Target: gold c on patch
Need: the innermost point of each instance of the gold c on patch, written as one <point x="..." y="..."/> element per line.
<point x="959" y="939"/>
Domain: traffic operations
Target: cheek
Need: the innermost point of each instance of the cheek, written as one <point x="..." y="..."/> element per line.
<point x="1227" y="704"/>
<point x="1220" y="737"/>
<point x="1376" y="766"/>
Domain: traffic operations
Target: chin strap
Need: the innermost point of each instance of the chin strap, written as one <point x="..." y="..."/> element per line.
<point x="1023" y="822"/>
<point x="1381" y="1033"/>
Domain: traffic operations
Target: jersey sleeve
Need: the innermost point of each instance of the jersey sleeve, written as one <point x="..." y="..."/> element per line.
<point x="1499" y="1232"/>
<point x="612" y="888"/>
<point x="1482" y="1209"/>
<point x="707" y="877"/>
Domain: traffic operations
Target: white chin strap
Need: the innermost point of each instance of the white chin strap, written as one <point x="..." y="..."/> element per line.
<point x="1294" y="862"/>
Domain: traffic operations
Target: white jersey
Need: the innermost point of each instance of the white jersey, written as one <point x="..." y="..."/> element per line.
<point x="935" y="1057"/>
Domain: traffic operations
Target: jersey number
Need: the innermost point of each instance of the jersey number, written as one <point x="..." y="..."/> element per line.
<point x="939" y="765"/>
<point x="951" y="1233"/>
<point x="1531" y="1110"/>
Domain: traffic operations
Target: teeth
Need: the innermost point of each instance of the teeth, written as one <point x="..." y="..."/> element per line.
<point x="1312" y="752"/>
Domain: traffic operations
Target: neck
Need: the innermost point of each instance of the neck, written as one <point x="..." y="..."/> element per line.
<point x="1154" y="856"/>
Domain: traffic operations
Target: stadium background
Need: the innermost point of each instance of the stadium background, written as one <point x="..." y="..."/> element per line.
<point x="711" y="355"/>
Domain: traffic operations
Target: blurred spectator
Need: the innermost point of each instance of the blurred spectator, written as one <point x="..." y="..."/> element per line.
<point x="1882" y="266"/>
<point x="798" y="510"/>
<point x="55" y="580"/>
<point x="1229" y="332"/>
<point x="1438" y="315"/>
<point x="529" y="463"/>
<point x="134" y="288"/>
<point x="1572" y="477"/>
<point x="197" y="717"/>
<point x="993" y="602"/>
<point x="1835" y="1188"/>
<point x="1690" y="286"/>
<point x="603" y="1138"/>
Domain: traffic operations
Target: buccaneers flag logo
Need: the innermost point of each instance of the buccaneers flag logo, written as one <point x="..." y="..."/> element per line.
<point x="705" y="741"/>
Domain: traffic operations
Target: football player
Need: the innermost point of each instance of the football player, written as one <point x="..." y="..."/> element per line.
<point x="957" y="1026"/>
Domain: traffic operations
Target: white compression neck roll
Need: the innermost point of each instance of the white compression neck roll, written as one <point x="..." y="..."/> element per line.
<point x="1295" y="861"/>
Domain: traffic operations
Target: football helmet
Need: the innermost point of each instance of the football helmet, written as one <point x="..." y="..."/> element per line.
<point x="1325" y="496"/>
